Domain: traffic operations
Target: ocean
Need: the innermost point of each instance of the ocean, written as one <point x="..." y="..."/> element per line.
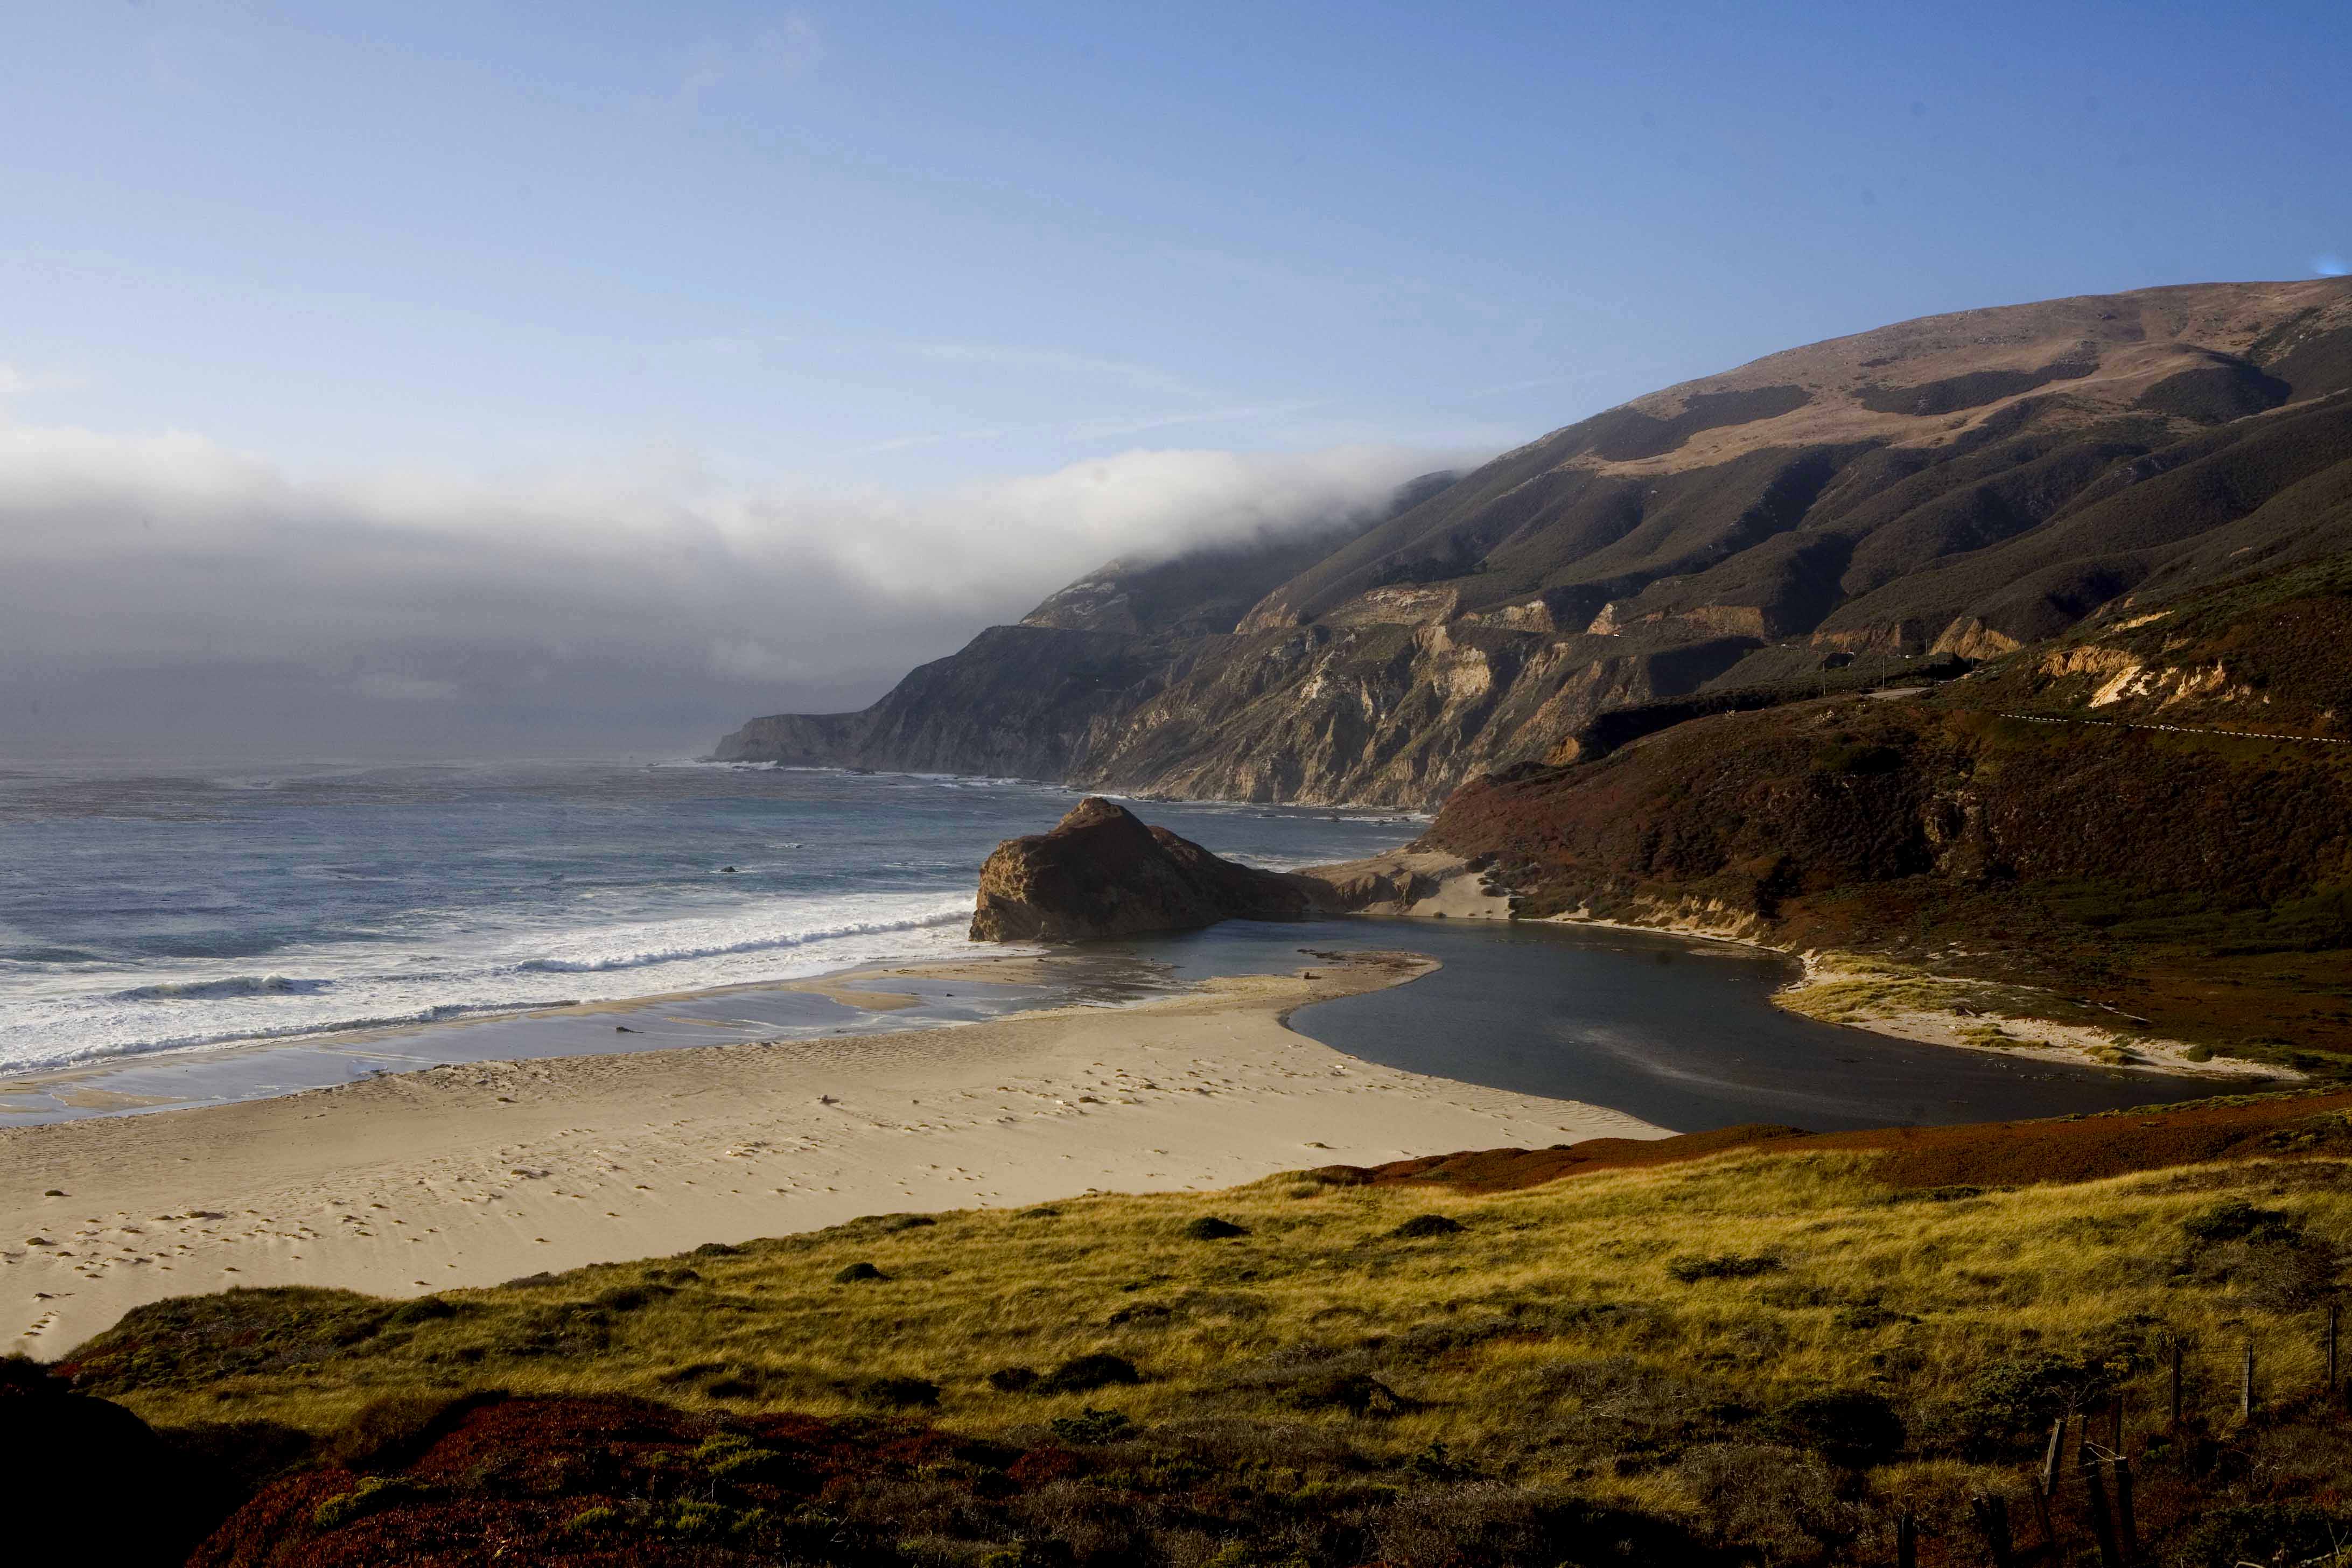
<point x="149" y="911"/>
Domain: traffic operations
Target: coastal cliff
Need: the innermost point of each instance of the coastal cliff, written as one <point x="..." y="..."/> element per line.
<point x="1956" y="487"/>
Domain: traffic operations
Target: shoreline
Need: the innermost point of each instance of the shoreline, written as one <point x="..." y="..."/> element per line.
<point x="470" y="1174"/>
<point x="1854" y="990"/>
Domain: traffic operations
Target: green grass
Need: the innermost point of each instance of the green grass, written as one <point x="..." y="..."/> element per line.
<point x="1614" y="1335"/>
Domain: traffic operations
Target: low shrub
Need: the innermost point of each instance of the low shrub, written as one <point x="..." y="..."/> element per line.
<point x="899" y="1391"/>
<point x="1012" y="1379"/>
<point x="1421" y="1226"/>
<point x="1209" y="1227"/>
<point x="1091" y="1426"/>
<point x="1086" y="1373"/>
<point x="1850" y="1427"/>
<point x="1724" y="1266"/>
<point x="855" y="1272"/>
<point x="372" y="1495"/>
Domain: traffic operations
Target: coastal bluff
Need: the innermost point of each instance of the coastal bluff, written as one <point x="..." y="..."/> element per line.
<point x="1101" y="871"/>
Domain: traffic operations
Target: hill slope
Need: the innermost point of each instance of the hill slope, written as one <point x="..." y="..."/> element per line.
<point x="1768" y="1356"/>
<point x="1966" y="483"/>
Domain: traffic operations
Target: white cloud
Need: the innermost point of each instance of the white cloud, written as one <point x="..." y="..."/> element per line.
<point x="128" y="552"/>
<point x="13" y="381"/>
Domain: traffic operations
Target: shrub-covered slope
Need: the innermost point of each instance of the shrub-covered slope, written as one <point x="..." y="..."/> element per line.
<point x="1759" y="1356"/>
<point x="2154" y="813"/>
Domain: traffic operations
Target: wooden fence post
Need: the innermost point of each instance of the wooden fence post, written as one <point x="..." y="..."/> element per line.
<point x="2103" y="1523"/>
<point x="2047" y="1484"/>
<point x="2127" y="1521"/>
<point x="1992" y="1519"/>
<point x="2246" y="1385"/>
<point x="1907" y="1540"/>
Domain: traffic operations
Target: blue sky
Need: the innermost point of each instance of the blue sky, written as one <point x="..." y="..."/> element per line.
<point x="850" y="261"/>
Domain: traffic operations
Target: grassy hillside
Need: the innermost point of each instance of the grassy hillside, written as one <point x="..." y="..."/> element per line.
<point x="1766" y="1355"/>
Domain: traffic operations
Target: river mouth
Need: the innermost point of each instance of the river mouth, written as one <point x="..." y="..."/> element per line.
<point x="1678" y="1031"/>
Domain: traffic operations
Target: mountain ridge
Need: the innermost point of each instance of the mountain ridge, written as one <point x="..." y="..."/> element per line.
<point x="1961" y="484"/>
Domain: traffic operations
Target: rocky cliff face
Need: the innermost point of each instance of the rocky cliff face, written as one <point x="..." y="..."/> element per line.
<point x="1101" y="872"/>
<point x="1963" y="484"/>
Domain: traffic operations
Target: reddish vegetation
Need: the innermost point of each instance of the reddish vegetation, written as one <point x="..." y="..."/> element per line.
<point x="585" y="1481"/>
<point x="1991" y="1153"/>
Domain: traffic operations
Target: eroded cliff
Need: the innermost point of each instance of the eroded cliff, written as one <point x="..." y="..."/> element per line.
<point x="1959" y="485"/>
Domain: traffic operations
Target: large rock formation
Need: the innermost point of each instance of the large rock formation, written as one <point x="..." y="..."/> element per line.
<point x="1101" y="872"/>
<point x="1960" y="484"/>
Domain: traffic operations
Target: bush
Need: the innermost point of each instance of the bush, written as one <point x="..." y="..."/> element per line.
<point x="2262" y="1533"/>
<point x="2235" y="1221"/>
<point x="1727" y="1266"/>
<point x="1422" y="1226"/>
<point x="1088" y="1373"/>
<point x="1209" y="1227"/>
<point x="1852" y="1428"/>
<point x="372" y="1495"/>
<point x="422" y="1309"/>
<point x="899" y="1391"/>
<point x="857" y="1271"/>
<point x="1091" y="1425"/>
<point x="1012" y="1379"/>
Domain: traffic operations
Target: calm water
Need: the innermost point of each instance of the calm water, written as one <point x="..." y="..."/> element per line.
<point x="150" y="913"/>
<point x="1679" y="1033"/>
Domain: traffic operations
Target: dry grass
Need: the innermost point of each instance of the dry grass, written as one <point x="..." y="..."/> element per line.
<point x="1550" y="1341"/>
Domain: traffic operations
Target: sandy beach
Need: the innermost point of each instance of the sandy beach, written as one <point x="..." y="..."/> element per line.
<point x="475" y="1173"/>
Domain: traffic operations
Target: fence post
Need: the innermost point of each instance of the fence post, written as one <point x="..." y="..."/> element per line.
<point x="1907" y="1540"/>
<point x="2047" y="1483"/>
<point x="1993" y="1519"/>
<point x="2127" y="1521"/>
<point x="2246" y="1385"/>
<point x="2103" y="1523"/>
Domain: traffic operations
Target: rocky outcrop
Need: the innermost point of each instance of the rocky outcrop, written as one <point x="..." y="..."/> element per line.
<point x="1102" y="873"/>
<point x="1965" y="484"/>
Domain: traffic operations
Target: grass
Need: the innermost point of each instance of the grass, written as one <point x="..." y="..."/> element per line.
<point x="1632" y="1338"/>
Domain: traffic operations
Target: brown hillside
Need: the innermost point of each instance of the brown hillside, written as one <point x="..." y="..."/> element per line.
<point x="1965" y="483"/>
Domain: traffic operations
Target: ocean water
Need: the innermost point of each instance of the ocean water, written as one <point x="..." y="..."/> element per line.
<point x="144" y="913"/>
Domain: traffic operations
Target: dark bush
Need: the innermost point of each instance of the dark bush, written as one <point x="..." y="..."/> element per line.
<point x="1728" y="1266"/>
<point x="857" y="1271"/>
<point x="1852" y="1428"/>
<point x="1088" y="1373"/>
<point x="422" y="1309"/>
<point x="1209" y="1227"/>
<point x="1422" y="1226"/>
<point x="1092" y="1426"/>
<point x="2262" y="1533"/>
<point x="1012" y="1379"/>
<point x="2236" y="1221"/>
<point x="899" y="1391"/>
<point x="717" y="1249"/>
<point x="389" y="1433"/>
